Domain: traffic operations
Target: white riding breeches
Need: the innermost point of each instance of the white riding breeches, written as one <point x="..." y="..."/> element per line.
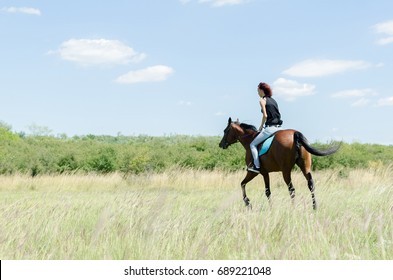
<point x="264" y="134"/>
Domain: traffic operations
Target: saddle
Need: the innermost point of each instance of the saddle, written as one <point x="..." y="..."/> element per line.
<point x="265" y="145"/>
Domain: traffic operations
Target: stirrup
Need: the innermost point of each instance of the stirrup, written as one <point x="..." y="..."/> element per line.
<point x="252" y="168"/>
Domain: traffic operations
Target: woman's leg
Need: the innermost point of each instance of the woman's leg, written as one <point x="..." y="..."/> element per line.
<point x="254" y="144"/>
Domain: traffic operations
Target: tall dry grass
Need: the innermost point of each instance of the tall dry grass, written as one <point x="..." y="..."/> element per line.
<point x="196" y="215"/>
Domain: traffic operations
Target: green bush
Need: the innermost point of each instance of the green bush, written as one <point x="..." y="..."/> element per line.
<point x="104" y="161"/>
<point x="67" y="163"/>
<point x="36" y="155"/>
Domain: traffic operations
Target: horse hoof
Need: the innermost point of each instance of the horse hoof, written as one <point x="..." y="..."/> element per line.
<point x="246" y="201"/>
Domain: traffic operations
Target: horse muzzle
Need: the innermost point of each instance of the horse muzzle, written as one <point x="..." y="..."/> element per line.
<point x="224" y="145"/>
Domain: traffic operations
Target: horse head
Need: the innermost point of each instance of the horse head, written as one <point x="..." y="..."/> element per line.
<point x="230" y="135"/>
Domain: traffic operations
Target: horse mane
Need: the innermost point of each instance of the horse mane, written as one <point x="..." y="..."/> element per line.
<point x="248" y="126"/>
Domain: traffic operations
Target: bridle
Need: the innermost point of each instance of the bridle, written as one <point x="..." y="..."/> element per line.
<point x="238" y="138"/>
<point x="226" y="144"/>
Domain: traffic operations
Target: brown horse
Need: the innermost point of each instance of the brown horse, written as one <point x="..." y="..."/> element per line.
<point x="289" y="147"/>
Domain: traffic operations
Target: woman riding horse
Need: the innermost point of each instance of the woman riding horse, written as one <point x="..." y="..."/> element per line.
<point x="289" y="147"/>
<point x="271" y="122"/>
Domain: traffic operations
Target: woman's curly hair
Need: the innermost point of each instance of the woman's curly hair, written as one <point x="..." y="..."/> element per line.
<point x="266" y="89"/>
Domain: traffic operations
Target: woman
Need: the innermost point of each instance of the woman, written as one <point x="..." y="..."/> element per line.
<point x="271" y="122"/>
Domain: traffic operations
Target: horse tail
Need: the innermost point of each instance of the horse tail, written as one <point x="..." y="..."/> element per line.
<point x="301" y="140"/>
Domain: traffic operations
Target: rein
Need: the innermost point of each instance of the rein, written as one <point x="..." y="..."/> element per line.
<point x="238" y="137"/>
<point x="245" y="136"/>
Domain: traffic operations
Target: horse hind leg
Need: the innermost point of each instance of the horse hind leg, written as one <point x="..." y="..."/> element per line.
<point x="305" y="166"/>
<point x="311" y="187"/>
<point x="288" y="181"/>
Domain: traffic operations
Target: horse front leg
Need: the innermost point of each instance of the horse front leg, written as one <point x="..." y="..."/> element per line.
<point x="248" y="178"/>
<point x="267" y="185"/>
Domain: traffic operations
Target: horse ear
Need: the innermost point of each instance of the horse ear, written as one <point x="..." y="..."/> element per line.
<point x="230" y="120"/>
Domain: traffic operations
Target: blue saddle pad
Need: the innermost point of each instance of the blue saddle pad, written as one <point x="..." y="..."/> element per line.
<point x="266" y="145"/>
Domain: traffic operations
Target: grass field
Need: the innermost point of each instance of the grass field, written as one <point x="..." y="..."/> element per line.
<point x="196" y="215"/>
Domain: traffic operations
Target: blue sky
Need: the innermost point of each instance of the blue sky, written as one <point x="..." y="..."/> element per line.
<point x="163" y="67"/>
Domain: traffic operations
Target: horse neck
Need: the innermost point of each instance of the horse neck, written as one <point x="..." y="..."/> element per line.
<point x="246" y="137"/>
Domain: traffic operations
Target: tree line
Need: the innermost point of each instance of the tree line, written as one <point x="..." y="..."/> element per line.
<point x="34" y="154"/>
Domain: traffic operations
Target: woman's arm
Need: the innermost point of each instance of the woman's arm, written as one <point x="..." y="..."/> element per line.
<point x="262" y="102"/>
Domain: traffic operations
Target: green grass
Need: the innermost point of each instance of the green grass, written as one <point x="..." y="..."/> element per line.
<point x="196" y="215"/>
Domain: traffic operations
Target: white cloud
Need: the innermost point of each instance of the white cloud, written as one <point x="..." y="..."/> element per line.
<point x="361" y="102"/>
<point x="385" y="41"/>
<point x="386" y="29"/>
<point x="324" y="67"/>
<point x="218" y="3"/>
<point x="98" y="52"/>
<point x="359" y="94"/>
<point x="385" y="101"/>
<point x="290" y="90"/>
<point x="150" y="74"/>
<point x="354" y="93"/>
<point x="184" y="103"/>
<point x="21" y="10"/>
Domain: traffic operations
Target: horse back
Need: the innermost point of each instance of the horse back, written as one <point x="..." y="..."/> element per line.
<point x="284" y="138"/>
<point x="282" y="153"/>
